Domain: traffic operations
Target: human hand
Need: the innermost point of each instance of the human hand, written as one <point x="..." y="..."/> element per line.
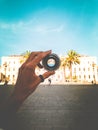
<point x="27" y="80"/>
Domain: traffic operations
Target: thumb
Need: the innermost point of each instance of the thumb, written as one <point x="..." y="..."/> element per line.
<point x="48" y="73"/>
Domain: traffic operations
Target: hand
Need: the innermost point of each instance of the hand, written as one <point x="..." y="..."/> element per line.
<point x="27" y="80"/>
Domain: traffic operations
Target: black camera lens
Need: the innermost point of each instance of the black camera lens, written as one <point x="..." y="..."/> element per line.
<point x="51" y="62"/>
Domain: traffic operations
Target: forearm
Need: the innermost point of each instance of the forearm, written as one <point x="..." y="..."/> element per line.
<point x="8" y="111"/>
<point x="11" y="105"/>
<point x="9" y="108"/>
<point x="14" y="102"/>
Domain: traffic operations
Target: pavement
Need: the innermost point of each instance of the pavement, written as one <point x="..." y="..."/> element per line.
<point x="58" y="107"/>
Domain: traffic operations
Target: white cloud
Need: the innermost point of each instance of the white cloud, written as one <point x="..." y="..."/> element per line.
<point x="12" y="25"/>
<point x="30" y="26"/>
<point x="47" y="29"/>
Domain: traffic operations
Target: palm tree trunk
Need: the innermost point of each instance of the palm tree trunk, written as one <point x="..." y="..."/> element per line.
<point x="64" y="73"/>
<point x="71" y="73"/>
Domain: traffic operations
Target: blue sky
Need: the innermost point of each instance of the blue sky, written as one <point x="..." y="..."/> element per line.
<point x="59" y="25"/>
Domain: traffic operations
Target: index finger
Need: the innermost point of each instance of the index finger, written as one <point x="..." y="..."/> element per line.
<point x="32" y="55"/>
<point x="39" y="57"/>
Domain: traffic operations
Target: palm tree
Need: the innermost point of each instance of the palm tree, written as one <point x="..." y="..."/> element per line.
<point x="64" y="65"/>
<point x="72" y="58"/>
<point x="25" y="56"/>
<point x="5" y="67"/>
<point x="93" y="67"/>
<point x="5" y="78"/>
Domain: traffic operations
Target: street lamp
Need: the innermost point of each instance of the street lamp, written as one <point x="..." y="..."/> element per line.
<point x="5" y="67"/>
<point x="93" y="66"/>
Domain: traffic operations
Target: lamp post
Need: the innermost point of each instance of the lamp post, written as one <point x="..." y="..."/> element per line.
<point x="93" y="66"/>
<point x="5" y="67"/>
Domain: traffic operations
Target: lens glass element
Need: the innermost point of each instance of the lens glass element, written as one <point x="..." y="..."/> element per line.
<point x="51" y="62"/>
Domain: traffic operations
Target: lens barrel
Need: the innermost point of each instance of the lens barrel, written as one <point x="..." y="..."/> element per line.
<point x="51" y="62"/>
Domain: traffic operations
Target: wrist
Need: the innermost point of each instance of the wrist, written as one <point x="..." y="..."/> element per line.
<point x="13" y="103"/>
<point x="19" y="94"/>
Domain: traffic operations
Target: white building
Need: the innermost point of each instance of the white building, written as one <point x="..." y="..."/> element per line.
<point x="86" y="71"/>
<point x="10" y="66"/>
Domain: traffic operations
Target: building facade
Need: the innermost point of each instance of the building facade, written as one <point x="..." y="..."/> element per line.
<point x="86" y="71"/>
<point x="10" y="66"/>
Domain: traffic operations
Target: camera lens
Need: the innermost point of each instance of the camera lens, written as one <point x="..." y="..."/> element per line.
<point x="51" y="62"/>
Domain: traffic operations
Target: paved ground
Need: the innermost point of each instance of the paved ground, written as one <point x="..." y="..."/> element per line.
<point x="60" y="107"/>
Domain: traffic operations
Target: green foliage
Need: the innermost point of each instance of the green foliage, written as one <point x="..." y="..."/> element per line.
<point x="72" y="58"/>
<point x="25" y="56"/>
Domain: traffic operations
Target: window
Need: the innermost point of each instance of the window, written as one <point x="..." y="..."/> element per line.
<point x="13" y="76"/>
<point x="84" y="76"/>
<point x="88" y="69"/>
<point x="94" y="76"/>
<point x="89" y="76"/>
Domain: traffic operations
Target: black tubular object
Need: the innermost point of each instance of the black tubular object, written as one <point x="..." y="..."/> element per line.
<point x="53" y="66"/>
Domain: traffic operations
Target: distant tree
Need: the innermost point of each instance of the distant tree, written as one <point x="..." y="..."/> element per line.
<point x="64" y="65"/>
<point x="4" y="76"/>
<point x="25" y="56"/>
<point x="72" y="58"/>
<point x="5" y="67"/>
<point x="93" y="67"/>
